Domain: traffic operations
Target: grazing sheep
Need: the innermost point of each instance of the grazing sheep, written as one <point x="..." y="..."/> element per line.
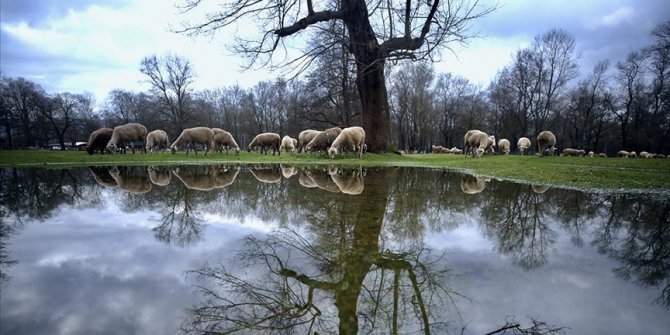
<point x="265" y="141"/>
<point x="305" y="137"/>
<point x="268" y="174"/>
<point x="644" y="154"/>
<point x="349" y="180"/>
<point x="602" y="154"/>
<point x="438" y="149"/>
<point x="287" y="144"/>
<point x="472" y="184"/>
<point x="592" y="154"/>
<point x="504" y="146"/>
<point x="157" y="138"/>
<point x="126" y="134"/>
<point x="98" y="140"/>
<point x="323" y="140"/>
<point x="349" y="138"/>
<point x="224" y="139"/>
<point x="573" y="152"/>
<point x="523" y="144"/>
<point x="623" y="153"/>
<point x="133" y="179"/>
<point x="159" y="175"/>
<point x="477" y="141"/>
<point x="455" y="150"/>
<point x="191" y="136"/>
<point x="546" y="140"/>
<point x="491" y="147"/>
<point x="632" y="154"/>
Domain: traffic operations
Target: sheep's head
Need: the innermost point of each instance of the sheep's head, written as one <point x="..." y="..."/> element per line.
<point x="332" y="152"/>
<point x="111" y="148"/>
<point x="173" y="148"/>
<point x="479" y="152"/>
<point x="90" y="150"/>
<point x="237" y="150"/>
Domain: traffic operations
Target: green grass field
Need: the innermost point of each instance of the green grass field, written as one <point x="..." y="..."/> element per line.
<point x="576" y="172"/>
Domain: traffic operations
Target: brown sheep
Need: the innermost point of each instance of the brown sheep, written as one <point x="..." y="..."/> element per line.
<point x="323" y="140"/>
<point x="265" y="141"/>
<point x="98" y="140"/>
<point x="546" y="140"/>
<point x="126" y="134"/>
<point x="305" y="137"/>
<point x="157" y="138"/>
<point x="191" y="136"/>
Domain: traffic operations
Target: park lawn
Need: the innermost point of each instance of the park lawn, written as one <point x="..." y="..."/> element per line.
<point x="574" y="172"/>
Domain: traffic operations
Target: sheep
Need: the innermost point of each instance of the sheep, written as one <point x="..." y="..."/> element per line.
<point x="206" y="177"/>
<point x="305" y="180"/>
<point x="352" y="137"/>
<point x="264" y="141"/>
<point x="573" y="152"/>
<point x="225" y="175"/>
<point x="472" y="184"/>
<point x="546" y="140"/>
<point x="504" y="146"/>
<point x="632" y="154"/>
<point x="224" y="139"/>
<point x="131" y="179"/>
<point x="523" y="144"/>
<point x="266" y="174"/>
<point x="438" y="149"/>
<point x="305" y="137"/>
<point x="124" y="134"/>
<point x="157" y="138"/>
<point x="287" y="144"/>
<point x="478" y="142"/>
<point x="456" y="151"/>
<point x="623" y="153"/>
<point x="350" y="181"/>
<point x="602" y="154"/>
<point x="98" y="140"/>
<point x="159" y="175"/>
<point x="323" y="180"/>
<point x="323" y="140"/>
<point x="191" y="136"/>
<point x="592" y="154"/>
<point x="490" y="148"/>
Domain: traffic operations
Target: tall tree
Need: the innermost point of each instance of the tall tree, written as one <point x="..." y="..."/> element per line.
<point x="60" y="112"/>
<point x="385" y="30"/>
<point x="171" y="77"/>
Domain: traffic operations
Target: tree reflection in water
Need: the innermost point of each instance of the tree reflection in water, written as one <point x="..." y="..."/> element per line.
<point x="290" y="280"/>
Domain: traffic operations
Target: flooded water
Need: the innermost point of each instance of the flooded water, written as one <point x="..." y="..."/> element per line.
<point x="163" y="250"/>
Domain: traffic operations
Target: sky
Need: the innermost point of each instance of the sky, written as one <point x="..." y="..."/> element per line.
<point x="97" y="45"/>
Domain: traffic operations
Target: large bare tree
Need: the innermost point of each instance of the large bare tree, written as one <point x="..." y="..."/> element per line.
<point x="376" y="31"/>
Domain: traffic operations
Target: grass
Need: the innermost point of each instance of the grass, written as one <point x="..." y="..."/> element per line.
<point x="574" y="172"/>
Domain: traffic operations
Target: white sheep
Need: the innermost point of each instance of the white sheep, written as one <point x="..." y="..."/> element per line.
<point x="157" y="138"/>
<point x="623" y="153"/>
<point x="602" y="154"/>
<point x="305" y="137"/>
<point x="287" y="144"/>
<point x="504" y="146"/>
<point x="546" y="140"/>
<point x="265" y="141"/>
<point x="523" y="144"/>
<point x="592" y="154"/>
<point x="126" y="134"/>
<point x="193" y="136"/>
<point x="133" y="179"/>
<point x="349" y="138"/>
<point x="224" y="139"/>
<point x="477" y="141"/>
<point x="573" y="152"/>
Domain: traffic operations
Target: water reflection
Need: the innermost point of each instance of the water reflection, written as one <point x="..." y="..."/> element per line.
<point x="349" y="250"/>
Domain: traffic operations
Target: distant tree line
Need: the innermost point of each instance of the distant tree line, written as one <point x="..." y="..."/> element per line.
<point x="624" y="106"/>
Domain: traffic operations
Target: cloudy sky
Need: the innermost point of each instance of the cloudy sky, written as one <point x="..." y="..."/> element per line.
<point x="97" y="45"/>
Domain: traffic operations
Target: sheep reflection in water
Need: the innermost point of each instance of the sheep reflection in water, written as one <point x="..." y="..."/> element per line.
<point x="132" y="179"/>
<point x="159" y="175"/>
<point x="102" y="176"/>
<point x="269" y="174"/>
<point x="206" y="177"/>
<point x="472" y="184"/>
<point x="288" y="171"/>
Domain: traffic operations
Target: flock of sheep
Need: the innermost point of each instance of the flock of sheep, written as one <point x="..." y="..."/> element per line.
<point x="479" y="143"/>
<point x="334" y="140"/>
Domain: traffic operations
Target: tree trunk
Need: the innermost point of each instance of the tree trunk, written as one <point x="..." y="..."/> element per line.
<point x="375" y="113"/>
